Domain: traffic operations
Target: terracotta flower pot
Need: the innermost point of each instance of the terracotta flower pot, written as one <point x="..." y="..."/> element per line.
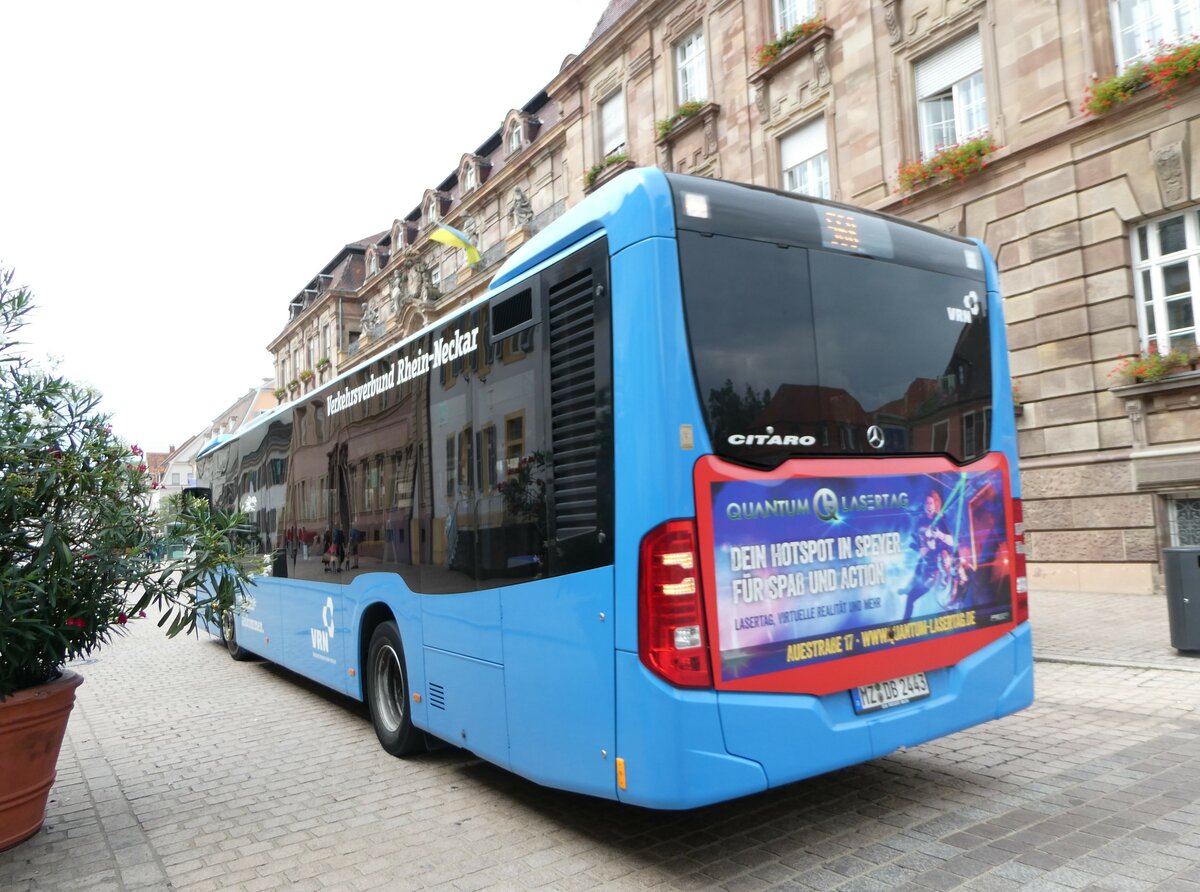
<point x="32" y="725"/>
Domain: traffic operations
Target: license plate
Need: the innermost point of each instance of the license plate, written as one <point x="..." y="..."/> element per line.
<point x="894" y="692"/>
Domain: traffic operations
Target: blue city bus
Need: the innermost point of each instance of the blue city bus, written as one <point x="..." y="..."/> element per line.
<point x="714" y="489"/>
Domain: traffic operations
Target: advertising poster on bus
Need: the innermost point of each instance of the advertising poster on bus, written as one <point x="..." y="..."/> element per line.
<point x="814" y="569"/>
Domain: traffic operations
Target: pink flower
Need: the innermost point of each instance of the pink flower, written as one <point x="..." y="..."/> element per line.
<point x="142" y="468"/>
<point x="122" y="618"/>
<point x="135" y="449"/>
<point x="141" y="614"/>
<point x="76" y="623"/>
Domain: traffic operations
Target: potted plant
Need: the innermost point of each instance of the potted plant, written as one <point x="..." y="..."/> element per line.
<point x="280" y="394"/>
<point x="78" y="560"/>
<point x="322" y="363"/>
<point x="1149" y="366"/>
<point x="307" y="375"/>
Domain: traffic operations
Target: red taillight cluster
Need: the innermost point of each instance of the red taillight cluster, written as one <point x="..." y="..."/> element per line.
<point x="672" y="640"/>
<point x="1022" y="582"/>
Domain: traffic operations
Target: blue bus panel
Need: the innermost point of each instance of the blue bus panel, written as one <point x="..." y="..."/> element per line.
<point x="520" y="503"/>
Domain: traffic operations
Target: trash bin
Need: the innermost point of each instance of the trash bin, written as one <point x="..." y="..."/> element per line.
<point x="1182" y="566"/>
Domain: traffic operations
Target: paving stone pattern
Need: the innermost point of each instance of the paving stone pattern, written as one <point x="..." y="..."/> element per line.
<point x="184" y="770"/>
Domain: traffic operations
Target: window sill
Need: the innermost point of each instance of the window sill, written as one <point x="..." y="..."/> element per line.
<point x="789" y="55"/>
<point x="610" y="172"/>
<point x="708" y="112"/>
<point x="1177" y="381"/>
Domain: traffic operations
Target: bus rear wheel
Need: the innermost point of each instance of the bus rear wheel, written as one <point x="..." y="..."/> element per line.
<point x="229" y="636"/>
<point x="387" y="693"/>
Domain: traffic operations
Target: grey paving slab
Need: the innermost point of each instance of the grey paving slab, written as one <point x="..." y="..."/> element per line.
<point x="184" y="770"/>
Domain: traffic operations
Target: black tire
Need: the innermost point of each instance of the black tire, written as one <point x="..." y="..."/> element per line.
<point x="387" y="693"/>
<point x="229" y="636"/>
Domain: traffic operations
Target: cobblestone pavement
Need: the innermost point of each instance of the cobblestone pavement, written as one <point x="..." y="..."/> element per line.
<point x="184" y="770"/>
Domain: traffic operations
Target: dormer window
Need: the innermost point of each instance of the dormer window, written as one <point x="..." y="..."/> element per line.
<point x="470" y="178"/>
<point x="431" y="213"/>
<point x="514" y="138"/>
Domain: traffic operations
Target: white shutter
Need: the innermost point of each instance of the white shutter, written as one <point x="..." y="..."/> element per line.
<point x="803" y="143"/>
<point x="940" y="70"/>
<point x="612" y="123"/>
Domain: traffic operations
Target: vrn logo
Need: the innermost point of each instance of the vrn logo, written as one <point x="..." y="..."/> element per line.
<point x="971" y="308"/>
<point x="321" y="637"/>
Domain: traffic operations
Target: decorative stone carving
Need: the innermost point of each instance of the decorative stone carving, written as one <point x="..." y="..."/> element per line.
<point x="520" y="209"/>
<point x="710" y="134"/>
<point x="395" y="291"/>
<point x="821" y="63"/>
<point x="891" y="16"/>
<point x="370" y="318"/>
<point x="1169" y="165"/>
<point x="1137" y="421"/>
<point x="760" y="101"/>
<point x="415" y="273"/>
<point x="664" y="155"/>
<point x="470" y="228"/>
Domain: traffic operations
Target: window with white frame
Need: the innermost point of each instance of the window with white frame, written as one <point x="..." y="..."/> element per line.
<point x="1141" y="25"/>
<point x="612" y="124"/>
<point x="435" y="276"/>
<point x="469" y="181"/>
<point x="691" y="76"/>
<point x="1185" y="520"/>
<point x="804" y="160"/>
<point x="1166" y="279"/>
<point x="514" y="137"/>
<point x="790" y="13"/>
<point x="951" y="101"/>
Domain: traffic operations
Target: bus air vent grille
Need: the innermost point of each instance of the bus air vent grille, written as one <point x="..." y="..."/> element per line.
<point x="437" y="696"/>
<point x="573" y="433"/>
<point x="511" y="315"/>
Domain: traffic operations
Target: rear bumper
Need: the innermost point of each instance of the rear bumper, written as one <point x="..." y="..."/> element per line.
<point x="684" y="749"/>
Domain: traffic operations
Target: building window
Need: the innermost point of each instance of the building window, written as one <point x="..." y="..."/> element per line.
<point x="431" y="214"/>
<point x="1166" y="275"/>
<point x="174" y="478"/>
<point x="1185" y="521"/>
<point x="612" y="124"/>
<point x="325" y="342"/>
<point x="1139" y="26"/>
<point x="804" y="158"/>
<point x="790" y="13"/>
<point x="435" y="276"/>
<point x="514" y="138"/>
<point x="469" y="181"/>
<point x="514" y="441"/>
<point x="976" y="432"/>
<point x="690" y="74"/>
<point x="950" y="96"/>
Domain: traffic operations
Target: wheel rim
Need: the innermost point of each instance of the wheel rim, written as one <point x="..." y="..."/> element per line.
<point x="229" y="630"/>
<point x="387" y="691"/>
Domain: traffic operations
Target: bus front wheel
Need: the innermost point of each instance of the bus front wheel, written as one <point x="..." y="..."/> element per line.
<point x="387" y="692"/>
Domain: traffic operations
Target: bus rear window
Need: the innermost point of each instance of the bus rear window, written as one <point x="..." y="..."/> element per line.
<point x="799" y="351"/>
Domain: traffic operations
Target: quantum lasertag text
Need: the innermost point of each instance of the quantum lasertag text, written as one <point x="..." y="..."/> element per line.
<point x="809" y="570"/>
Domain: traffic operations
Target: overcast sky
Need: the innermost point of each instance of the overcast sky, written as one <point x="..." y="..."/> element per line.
<point x="171" y="174"/>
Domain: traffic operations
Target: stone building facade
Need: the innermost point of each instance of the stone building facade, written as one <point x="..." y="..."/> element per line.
<point x="1094" y="219"/>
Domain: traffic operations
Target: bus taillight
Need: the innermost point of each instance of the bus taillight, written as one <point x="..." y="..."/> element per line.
<point x="671" y="639"/>
<point x="1019" y="577"/>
